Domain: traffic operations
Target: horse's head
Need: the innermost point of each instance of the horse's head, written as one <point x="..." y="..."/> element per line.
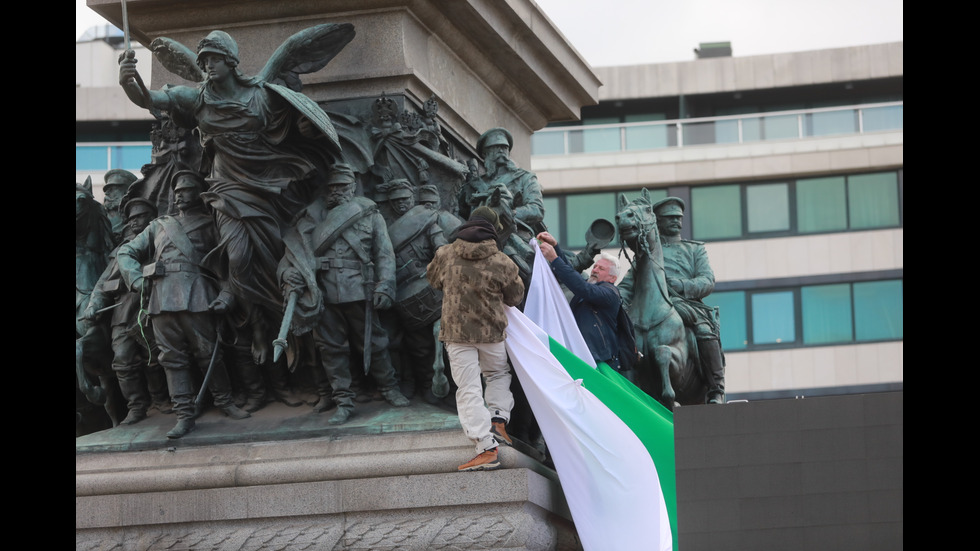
<point x="92" y="225"/>
<point x="635" y="219"/>
<point x="85" y="203"/>
<point x="84" y="198"/>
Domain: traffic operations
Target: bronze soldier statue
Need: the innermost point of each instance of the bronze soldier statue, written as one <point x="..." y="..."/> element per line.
<point x="340" y="264"/>
<point x="117" y="182"/>
<point x="430" y="199"/>
<point x="689" y="279"/>
<point x="527" y="203"/>
<point x="182" y="297"/>
<point x="135" y="354"/>
<point x="415" y="236"/>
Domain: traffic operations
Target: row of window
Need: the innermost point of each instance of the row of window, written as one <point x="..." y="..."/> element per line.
<point x="753" y="210"/>
<point x="824" y="314"/>
<point x="801" y="206"/>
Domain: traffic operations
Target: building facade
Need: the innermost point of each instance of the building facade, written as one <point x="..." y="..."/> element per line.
<point x="791" y="166"/>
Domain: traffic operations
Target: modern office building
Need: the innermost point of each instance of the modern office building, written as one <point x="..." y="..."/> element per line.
<point x="791" y="166"/>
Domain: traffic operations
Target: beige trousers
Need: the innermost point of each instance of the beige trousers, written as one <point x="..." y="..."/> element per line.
<point x="476" y="406"/>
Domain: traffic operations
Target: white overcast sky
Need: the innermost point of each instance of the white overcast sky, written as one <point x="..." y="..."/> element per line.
<point x="627" y="32"/>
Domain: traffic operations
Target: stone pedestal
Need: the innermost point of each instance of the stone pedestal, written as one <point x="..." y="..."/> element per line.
<point x="360" y="492"/>
<point x="386" y="480"/>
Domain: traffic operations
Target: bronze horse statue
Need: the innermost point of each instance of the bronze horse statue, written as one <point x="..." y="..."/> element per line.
<point x="668" y="370"/>
<point x="93" y="351"/>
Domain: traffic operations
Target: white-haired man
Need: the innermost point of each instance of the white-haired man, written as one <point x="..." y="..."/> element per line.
<point x="596" y="301"/>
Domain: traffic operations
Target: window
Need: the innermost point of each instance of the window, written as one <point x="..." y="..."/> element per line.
<point x="873" y="200"/>
<point x="583" y="209"/>
<point x="826" y="313"/>
<point x="821" y="204"/>
<point x="552" y="218"/>
<point x="731" y="309"/>
<point x="716" y="212"/>
<point x="878" y="310"/>
<point x="768" y="208"/>
<point x="773" y="318"/>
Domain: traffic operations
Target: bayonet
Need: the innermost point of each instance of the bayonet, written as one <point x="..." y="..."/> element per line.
<point x="368" y="272"/>
<point x="280" y="344"/>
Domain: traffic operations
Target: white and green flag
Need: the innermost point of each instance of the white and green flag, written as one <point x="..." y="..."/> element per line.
<point x="612" y="445"/>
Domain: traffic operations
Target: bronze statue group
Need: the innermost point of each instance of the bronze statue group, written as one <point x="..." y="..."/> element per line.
<point x="290" y="248"/>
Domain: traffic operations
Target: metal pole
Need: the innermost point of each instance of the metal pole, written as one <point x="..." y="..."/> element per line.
<point x="125" y="19"/>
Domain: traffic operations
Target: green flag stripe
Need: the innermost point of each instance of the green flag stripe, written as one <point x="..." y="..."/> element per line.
<point x="649" y="420"/>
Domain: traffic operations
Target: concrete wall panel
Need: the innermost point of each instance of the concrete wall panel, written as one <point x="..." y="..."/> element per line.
<point x="807" y="474"/>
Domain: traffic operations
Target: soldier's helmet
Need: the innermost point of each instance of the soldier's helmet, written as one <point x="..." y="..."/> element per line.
<point x="219" y="42"/>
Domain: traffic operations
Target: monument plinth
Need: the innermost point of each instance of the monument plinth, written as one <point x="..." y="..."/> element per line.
<point x="283" y="478"/>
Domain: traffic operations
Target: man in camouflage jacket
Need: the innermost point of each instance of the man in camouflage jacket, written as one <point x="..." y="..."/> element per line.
<point x="478" y="283"/>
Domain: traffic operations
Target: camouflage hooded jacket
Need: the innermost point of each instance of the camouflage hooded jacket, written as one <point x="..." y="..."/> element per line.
<point x="478" y="282"/>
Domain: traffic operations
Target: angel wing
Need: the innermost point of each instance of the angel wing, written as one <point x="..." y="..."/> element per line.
<point x="305" y="52"/>
<point x="177" y="58"/>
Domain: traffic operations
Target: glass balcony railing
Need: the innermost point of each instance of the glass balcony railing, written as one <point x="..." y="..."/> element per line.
<point x="608" y="138"/>
<point x="735" y="129"/>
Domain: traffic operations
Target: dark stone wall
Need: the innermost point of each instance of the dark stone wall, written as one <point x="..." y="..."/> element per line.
<point x="804" y="474"/>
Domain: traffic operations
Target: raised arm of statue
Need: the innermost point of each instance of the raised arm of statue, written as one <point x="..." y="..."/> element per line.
<point x="177" y="98"/>
<point x="530" y="200"/>
<point x="132" y="82"/>
<point x="131" y="256"/>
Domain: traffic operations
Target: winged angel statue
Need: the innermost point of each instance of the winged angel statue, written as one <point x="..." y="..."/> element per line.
<point x="264" y="144"/>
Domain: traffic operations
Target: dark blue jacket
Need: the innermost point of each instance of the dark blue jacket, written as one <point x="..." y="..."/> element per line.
<point x="595" y="307"/>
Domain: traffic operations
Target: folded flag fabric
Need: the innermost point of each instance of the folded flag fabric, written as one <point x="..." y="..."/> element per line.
<point x="548" y="308"/>
<point x="607" y="474"/>
<point x="612" y="444"/>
